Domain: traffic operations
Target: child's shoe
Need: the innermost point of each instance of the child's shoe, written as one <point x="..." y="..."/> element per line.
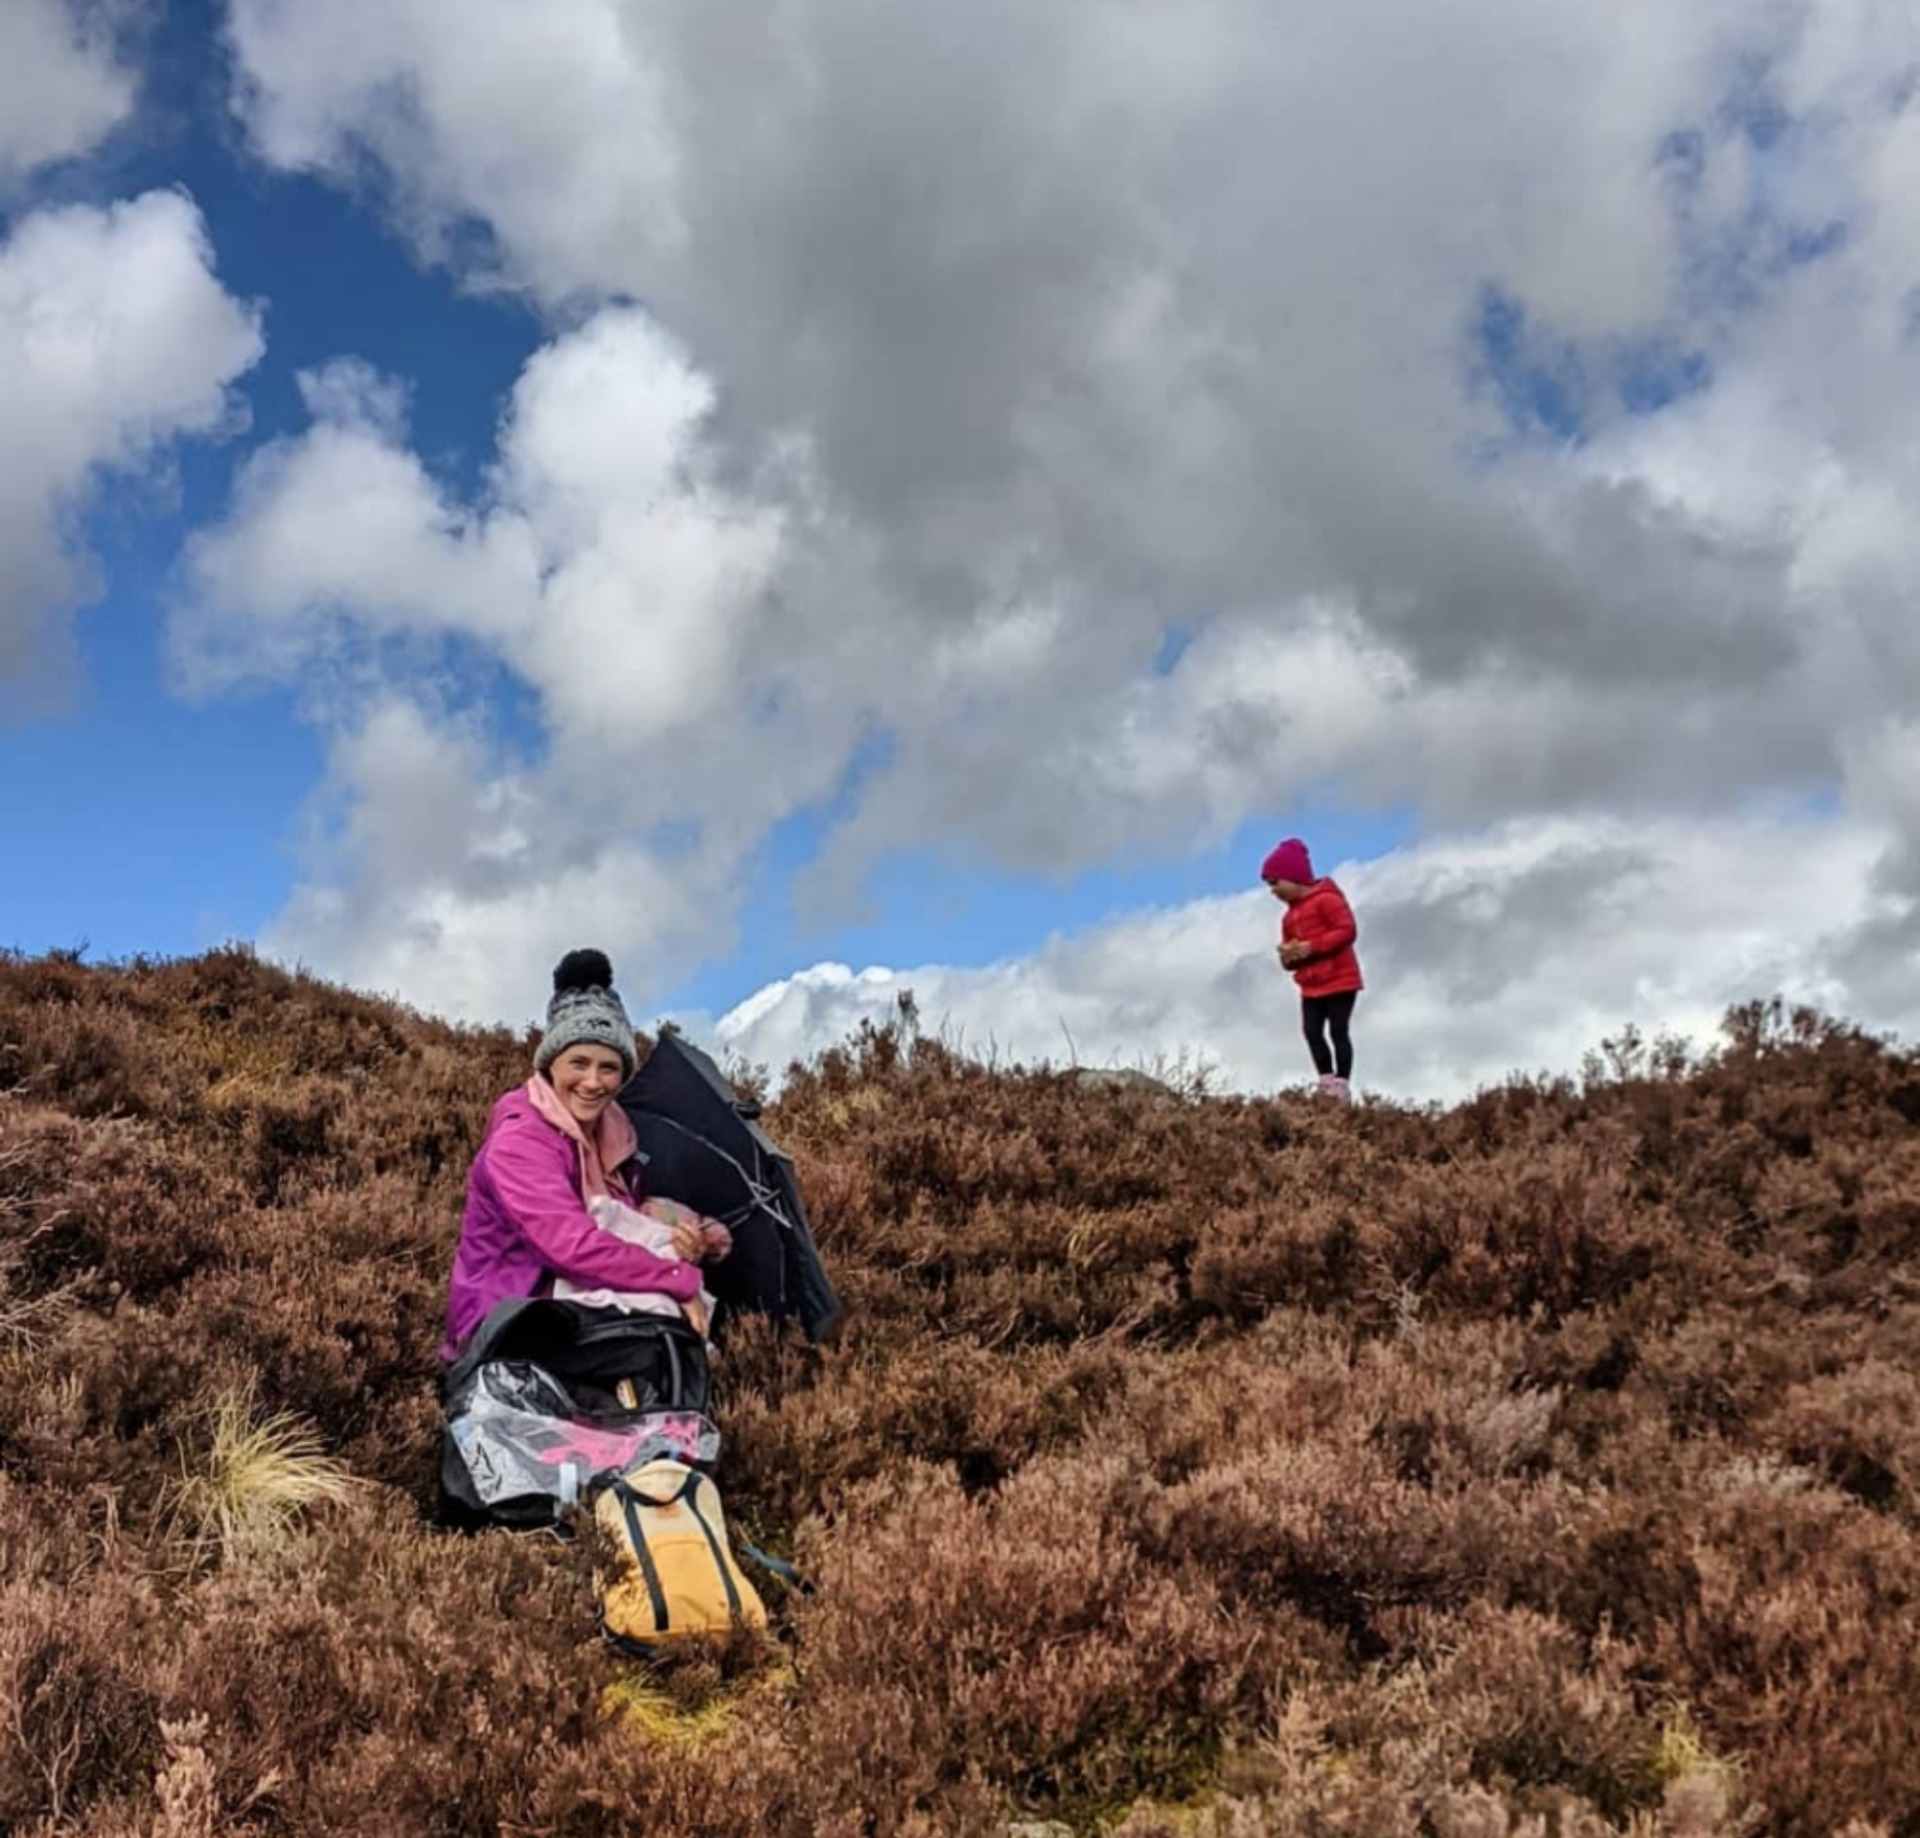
<point x="1335" y="1087"/>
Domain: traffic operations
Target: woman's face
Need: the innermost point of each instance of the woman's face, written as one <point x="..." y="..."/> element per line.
<point x="587" y="1079"/>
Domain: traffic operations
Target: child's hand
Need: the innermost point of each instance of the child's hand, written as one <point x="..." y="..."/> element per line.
<point x="700" y="1241"/>
<point x="696" y="1311"/>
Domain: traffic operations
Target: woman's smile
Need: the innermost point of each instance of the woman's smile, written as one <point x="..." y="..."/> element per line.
<point x="587" y="1079"/>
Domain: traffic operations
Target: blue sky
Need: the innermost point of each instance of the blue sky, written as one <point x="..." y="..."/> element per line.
<point x="563" y="475"/>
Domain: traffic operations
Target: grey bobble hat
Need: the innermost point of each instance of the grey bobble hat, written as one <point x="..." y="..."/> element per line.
<point x="584" y="1009"/>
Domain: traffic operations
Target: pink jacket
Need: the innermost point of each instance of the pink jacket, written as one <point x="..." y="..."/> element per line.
<point x="526" y="1222"/>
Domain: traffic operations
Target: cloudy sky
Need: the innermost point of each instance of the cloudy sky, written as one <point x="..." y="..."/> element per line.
<point x="834" y="497"/>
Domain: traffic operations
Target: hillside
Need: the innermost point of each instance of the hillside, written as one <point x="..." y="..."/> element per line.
<point x="1216" y="1467"/>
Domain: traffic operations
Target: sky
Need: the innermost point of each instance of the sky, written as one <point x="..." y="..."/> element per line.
<point x="836" y="499"/>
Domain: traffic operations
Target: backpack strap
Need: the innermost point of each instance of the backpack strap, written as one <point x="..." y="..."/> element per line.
<point x="777" y="1566"/>
<point x="713" y="1544"/>
<point x="630" y="1503"/>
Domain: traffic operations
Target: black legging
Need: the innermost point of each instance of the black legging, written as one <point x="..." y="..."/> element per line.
<point x="1317" y="1015"/>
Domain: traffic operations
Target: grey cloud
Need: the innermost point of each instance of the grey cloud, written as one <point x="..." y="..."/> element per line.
<point x="1161" y="312"/>
<point x="1461" y="932"/>
<point x="1877" y="966"/>
<point x="1052" y="318"/>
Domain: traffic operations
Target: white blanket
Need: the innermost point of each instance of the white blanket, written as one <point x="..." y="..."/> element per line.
<point x="632" y="1226"/>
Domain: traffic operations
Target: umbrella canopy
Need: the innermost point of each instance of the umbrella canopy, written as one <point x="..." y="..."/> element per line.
<point x="705" y="1148"/>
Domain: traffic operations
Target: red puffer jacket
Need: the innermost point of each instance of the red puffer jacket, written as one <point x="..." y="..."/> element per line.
<point x="1323" y="921"/>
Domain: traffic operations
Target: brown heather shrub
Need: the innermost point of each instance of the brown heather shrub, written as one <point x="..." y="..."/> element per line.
<point x="1542" y="1468"/>
<point x="1860" y="1428"/>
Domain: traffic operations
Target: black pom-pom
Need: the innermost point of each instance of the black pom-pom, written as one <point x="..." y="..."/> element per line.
<point x="582" y="970"/>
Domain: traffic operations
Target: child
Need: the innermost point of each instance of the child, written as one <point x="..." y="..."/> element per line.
<point x="653" y="1224"/>
<point x="1316" y="944"/>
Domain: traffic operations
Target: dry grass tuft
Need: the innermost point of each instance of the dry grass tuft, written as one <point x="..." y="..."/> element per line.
<point x="257" y="1480"/>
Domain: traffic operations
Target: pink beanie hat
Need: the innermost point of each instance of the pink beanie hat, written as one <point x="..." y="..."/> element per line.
<point x="1289" y="862"/>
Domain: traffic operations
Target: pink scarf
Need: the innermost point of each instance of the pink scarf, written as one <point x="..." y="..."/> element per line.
<point x="613" y="1140"/>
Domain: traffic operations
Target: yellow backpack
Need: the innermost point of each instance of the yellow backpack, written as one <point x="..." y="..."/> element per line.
<point x="675" y="1574"/>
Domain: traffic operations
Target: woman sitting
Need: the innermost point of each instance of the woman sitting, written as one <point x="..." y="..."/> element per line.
<point x="555" y="1146"/>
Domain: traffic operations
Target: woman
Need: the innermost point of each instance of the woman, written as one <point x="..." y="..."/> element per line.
<point x="1316" y="944"/>
<point x="554" y="1145"/>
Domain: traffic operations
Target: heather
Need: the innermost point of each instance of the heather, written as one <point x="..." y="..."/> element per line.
<point x="1190" y="1465"/>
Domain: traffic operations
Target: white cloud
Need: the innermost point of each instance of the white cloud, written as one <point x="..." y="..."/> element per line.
<point x="602" y="564"/>
<point x="1512" y="950"/>
<point x="116" y="338"/>
<point x="62" y="88"/>
<point x="609" y="571"/>
<point x="447" y="882"/>
<point x="545" y="121"/>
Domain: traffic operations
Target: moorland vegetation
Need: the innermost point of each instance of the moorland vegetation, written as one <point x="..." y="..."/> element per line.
<point x="1190" y="1464"/>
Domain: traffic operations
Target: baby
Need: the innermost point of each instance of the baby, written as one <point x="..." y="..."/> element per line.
<point x="653" y="1225"/>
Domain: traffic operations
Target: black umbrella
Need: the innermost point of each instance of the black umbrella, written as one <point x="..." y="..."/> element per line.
<point x="705" y="1148"/>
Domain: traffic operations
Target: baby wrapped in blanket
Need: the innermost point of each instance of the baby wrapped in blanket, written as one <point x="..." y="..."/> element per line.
<point x="656" y="1225"/>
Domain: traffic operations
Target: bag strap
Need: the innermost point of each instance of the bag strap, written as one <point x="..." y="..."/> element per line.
<point x="777" y="1566"/>
<point x="719" y="1555"/>
<point x="630" y="1503"/>
<point x="623" y="1485"/>
<point x="678" y="1399"/>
